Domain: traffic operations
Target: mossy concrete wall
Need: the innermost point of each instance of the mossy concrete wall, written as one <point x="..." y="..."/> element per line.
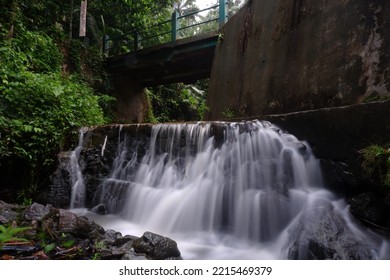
<point x="133" y="105"/>
<point x="279" y="56"/>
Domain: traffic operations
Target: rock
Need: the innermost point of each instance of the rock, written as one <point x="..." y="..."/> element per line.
<point x="339" y="177"/>
<point x="156" y="247"/>
<point x="321" y="233"/>
<point x="110" y="236"/>
<point x="37" y="212"/>
<point x="68" y="221"/>
<point x="92" y="230"/>
<point x="302" y="148"/>
<point x="60" y="234"/>
<point x="371" y="208"/>
<point x="99" y="209"/>
<point x="61" y="186"/>
<point x="131" y="255"/>
<point x="8" y="212"/>
<point x="120" y="241"/>
<point x="116" y="246"/>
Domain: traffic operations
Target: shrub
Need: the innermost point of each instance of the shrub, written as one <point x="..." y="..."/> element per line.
<point x="376" y="163"/>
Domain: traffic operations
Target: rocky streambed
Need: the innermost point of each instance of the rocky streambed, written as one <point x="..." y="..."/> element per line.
<point x="39" y="232"/>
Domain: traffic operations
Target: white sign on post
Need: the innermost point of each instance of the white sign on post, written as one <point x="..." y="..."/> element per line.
<point x="83" y="18"/>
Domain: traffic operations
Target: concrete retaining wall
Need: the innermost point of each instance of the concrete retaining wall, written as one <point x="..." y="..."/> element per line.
<point x="279" y="56"/>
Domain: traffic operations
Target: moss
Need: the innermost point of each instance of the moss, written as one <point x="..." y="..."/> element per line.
<point x="149" y="118"/>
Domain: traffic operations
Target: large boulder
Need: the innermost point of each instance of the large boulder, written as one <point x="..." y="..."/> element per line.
<point x="321" y="233"/>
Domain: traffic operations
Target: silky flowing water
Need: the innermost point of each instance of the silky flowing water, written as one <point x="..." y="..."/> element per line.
<point x="254" y="192"/>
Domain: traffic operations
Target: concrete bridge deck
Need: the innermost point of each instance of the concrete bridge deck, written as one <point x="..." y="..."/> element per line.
<point x="185" y="60"/>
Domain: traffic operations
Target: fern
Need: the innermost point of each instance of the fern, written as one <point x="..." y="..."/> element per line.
<point x="8" y="234"/>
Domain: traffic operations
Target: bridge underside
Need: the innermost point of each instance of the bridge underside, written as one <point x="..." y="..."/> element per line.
<point x="186" y="60"/>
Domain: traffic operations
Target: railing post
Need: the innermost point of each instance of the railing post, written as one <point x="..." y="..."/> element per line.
<point x="222" y="12"/>
<point x="106" y="45"/>
<point x="175" y="25"/>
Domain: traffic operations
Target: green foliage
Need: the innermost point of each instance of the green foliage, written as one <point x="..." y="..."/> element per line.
<point x="25" y="195"/>
<point x="67" y="241"/>
<point x="177" y="102"/>
<point x="9" y="234"/>
<point x="88" y="63"/>
<point x="42" y="53"/>
<point x="229" y="113"/>
<point x="376" y="163"/>
<point x="373" y="97"/>
<point x="50" y="82"/>
<point x="39" y="106"/>
<point x="96" y="256"/>
<point x="49" y="247"/>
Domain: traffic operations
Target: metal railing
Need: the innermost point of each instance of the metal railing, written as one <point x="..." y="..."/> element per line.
<point x="178" y="27"/>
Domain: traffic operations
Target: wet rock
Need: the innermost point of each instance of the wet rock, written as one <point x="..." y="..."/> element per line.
<point x="120" y="241"/>
<point x="321" y="233"/>
<point x="110" y="236"/>
<point x="156" y="247"/>
<point x="116" y="246"/>
<point x="302" y="148"/>
<point x="99" y="209"/>
<point x="131" y="255"/>
<point x="60" y="190"/>
<point x="371" y="208"/>
<point x="62" y="221"/>
<point x="339" y="178"/>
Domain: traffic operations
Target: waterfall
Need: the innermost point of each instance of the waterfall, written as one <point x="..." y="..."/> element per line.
<point x="231" y="190"/>
<point x="77" y="181"/>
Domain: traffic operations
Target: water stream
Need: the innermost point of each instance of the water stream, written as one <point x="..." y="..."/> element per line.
<point x="254" y="193"/>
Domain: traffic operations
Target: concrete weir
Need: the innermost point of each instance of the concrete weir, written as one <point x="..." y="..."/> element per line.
<point x="247" y="181"/>
<point x="335" y="134"/>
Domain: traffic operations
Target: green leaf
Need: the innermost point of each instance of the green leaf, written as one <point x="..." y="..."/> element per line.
<point x="58" y="91"/>
<point x="27" y="128"/>
<point x="50" y="247"/>
<point x="68" y="243"/>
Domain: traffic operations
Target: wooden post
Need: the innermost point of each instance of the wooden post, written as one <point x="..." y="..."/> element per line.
<point x="222" y="12"/>
<point x="175" y="25"/>
<point x="83" y="18"/>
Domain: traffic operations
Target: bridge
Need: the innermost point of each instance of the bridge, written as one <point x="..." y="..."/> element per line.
<point x="180" y="49"/>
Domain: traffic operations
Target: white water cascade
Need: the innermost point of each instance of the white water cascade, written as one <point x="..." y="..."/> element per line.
<point x="78" y="187"/>
<point x="253" y="192"/>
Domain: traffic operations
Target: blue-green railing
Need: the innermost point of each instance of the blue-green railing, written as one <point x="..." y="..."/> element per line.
<point x="167" y="31"/>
